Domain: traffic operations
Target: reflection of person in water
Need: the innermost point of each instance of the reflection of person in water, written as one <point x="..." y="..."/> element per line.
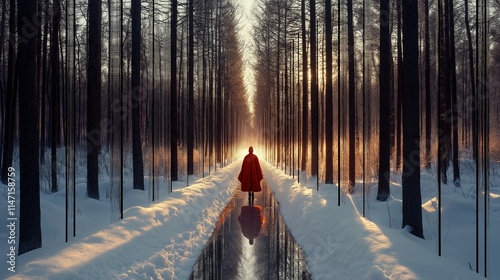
<point x="251" y="222"/>
<point x="250" y="174"/>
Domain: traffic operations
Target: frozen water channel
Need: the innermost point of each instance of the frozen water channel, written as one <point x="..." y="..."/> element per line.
<point x="251" y="241"/>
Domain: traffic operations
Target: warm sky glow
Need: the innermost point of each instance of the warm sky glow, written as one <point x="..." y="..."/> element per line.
<point x="246" y="22"/>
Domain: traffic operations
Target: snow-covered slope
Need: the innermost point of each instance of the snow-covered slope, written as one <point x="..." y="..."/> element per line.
<point x="163" y="240"/>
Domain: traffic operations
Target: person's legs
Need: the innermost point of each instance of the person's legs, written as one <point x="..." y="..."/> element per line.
<point x="250" y="195"/>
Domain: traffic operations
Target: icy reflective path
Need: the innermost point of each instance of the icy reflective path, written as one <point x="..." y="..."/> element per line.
<point x="251" y="242"/>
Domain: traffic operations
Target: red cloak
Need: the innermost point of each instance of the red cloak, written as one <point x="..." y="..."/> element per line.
<point x="250" y="174"/>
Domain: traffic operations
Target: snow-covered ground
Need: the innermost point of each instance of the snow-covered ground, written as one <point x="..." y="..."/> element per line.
<point x="162" y="240"/>
<point x="341" y="244"/>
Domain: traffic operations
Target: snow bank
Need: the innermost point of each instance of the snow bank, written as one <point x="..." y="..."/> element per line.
<point x="161" y="241"/>
<point x="340" y="244"/>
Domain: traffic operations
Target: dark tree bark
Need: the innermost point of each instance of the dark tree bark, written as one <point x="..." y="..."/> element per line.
<point x="44" y="88"/>
<point x="278" y="108"/>
<point x="181" y="86"/>
<point x="393" y="101"/>
<point x="173" y="93"/>
<point x="399" y="91"/>
<point x="339" y="101"/>
<point x="190" y="119"/>
<point x="444" y="131"/>
<point x="30" y="233"/>
<point x="2" y="38"/>
<point x="2" y="87"/>
<point x="138" y="164"/>
<point x="305" y="103"/>
<point x="286" y="95"/>
<point x="286" y="99"/>
<point x="472" y="80"/>
<point x="10" y="113"/>
<point x="218" y="103"/>
<point x="412" y="201"/>
<point x="329" y="95"/>
<point x="314" y="92"/>
<point x="94" y="98"/>
<point x="211" y="72"/>
<point x="453" y="93"/>
<point x="352" y="98"/>
<point x="204" y="114"/>
<point x="384" y="171"/>
<point x="55" y="91"/>
<point x="428" y="113"/>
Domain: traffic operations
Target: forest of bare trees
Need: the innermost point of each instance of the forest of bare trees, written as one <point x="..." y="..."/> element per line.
<point x="157" y="84"/>
<point x="346" y="92"/>
<point x="406" y="93"/>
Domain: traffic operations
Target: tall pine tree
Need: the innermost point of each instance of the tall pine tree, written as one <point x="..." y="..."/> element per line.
<point x="384" y="166"/>
<point x="412" y="201"/>
<point x="138" y="164"/>
<point x="352" y="98"/>
<point x="173" y="93"/>
<point x="30" y="232"/>
<point x="329" y="95"/>
<point x="94" y="98"/>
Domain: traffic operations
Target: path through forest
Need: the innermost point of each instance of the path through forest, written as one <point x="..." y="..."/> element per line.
<point x="251" y="241"/>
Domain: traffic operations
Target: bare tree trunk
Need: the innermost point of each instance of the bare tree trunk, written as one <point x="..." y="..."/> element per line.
<point x="384" y="171"/>
<point x="329" y="96"/>
<point x="30" y="233"/>
<point x="399" y="91"/>
<point x="453" y="92"/>
<point x="412" y="201"/>
<point x="352" y="98"/>
<point x="219" y="91"/>
<point x="44" y="88"/>
<point x="94" y="98"/>
<point x="2" y="37"/>
<point x="444" y="133"/>
<point x="10" y="114"/>
<point x="173" y="93"/>
<point x="55" y="91"/>
<point x="285" y="106"/>
<point x="2" y="87"/>
<point x="136" y="93"/>
<point x="211" y="95"/>
<point x="278" y="109"/>
<point x="314" y="92"/>
<point x="339" y="99"/>
<point x="472" y="80"/>
<point x="428" y="113"/>
<point x="190" y="119"/>
<point x="204" y="114"/>
<point x="305" y="105"/>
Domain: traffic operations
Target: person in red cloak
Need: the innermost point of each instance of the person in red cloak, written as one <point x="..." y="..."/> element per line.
<point x="250" y="174"/>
